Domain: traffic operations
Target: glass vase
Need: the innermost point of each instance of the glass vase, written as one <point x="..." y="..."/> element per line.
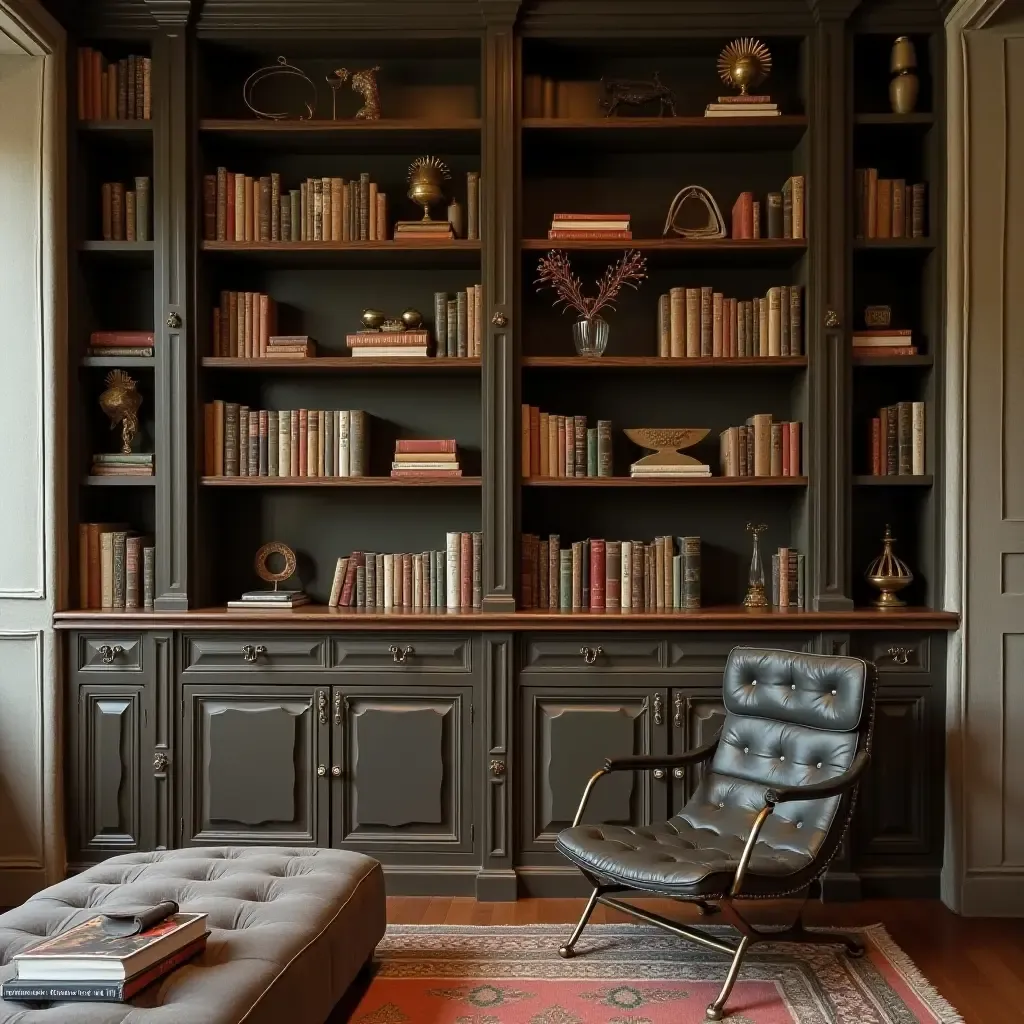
<point x="590" y="335"/>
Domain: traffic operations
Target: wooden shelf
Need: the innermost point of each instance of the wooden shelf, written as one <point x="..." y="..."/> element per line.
<point x="628" y="481"/>
<point x="891" y="361"/>
<point x="136" y="252"/>
<point x="724" y="617"/>
<point x="118" y="362"/>
<point x="870" y="480"/>
<point x="912" y="244"/>
<point x="887" y="118"/>
<point x="418" y="252"/>
<point x="137" y="134"/>
<point x="719" y="251"/>
<point x="120" y="481"/>
<point x="346" y="364"/>
<point x="339" y="481"/>
<point x="660" y="363"/>
<point x="460" y="135"/>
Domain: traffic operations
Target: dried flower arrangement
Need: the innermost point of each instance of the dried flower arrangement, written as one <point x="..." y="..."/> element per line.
<point x="555" y="271"/>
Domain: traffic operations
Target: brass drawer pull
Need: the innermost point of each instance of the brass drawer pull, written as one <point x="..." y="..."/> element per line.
<point x="337" y="707"/>
<point x="108" y="653"/>
<point x="321" y="706"/>
<point x="250" y="653"/>
<point x="399" y="654"/>
<point x="658" y="715"/>
<point x="590" y="654"/>
<point x="677" y="704"/>
<point x="899" y="655"/>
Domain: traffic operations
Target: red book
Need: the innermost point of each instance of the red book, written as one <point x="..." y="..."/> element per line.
<point x="884" y="332"/>
<point x="412" y="471"/>
<point x="303" y="431"/>
<point x="131" y="339"/>
<point x="862" y="351"/>
<point x="425" y="447"/>
<point x="229" y="226"/>
<point x="597" y="570"/>
<point x="590" y="216"/>
<point x="743" y="216"/>
<point x="787" y="469"/>
<point x="210" y="207"/>
<point x="466" y="570"/>
<point x="876" y="447"/>
<point x="794" y="449"/>
<point x="354" y="561"/>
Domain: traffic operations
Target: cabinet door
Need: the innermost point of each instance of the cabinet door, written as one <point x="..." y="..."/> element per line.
<point x="114" y="736"/>
<point x="401" y="768"/>
<point x="696" y="716"/>
<point x="566" y="737"/>
<point x="253" y="766"/>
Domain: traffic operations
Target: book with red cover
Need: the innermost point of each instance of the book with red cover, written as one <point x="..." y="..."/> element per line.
<point x="347" y="588"/>
<point x="884" y="350"/>
<point x="743" y="216"/>
<point x="590" y="216"/>
<point x="417" y="473"/>
<point x="115" y="339"/>
<point x="406" y="445"/>
<point x="597" y="572"/>
<point x="465" y="570"/>
<point x="229" y="226"/>
<point x="876" y="446"/>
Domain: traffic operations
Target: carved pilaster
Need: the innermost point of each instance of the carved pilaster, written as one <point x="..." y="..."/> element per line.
<point x="829" y="306"/>
<point x="499" y="170"/>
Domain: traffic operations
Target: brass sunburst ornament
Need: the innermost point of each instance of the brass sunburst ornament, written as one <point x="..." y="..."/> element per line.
<point x="744" y="63"/>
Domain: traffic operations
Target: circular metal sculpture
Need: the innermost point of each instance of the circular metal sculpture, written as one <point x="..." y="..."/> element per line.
<point x="263" y="570"/>
<point x="282" y="67"/>
<point x="744" y="63"/>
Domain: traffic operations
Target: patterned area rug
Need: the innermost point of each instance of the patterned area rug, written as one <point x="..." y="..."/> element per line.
<point x="635" y="974"/>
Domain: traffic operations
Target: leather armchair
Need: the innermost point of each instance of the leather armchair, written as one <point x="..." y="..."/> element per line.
<point x="775" y="799"/>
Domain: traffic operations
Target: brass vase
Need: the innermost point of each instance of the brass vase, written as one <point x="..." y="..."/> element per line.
<point x="904" y="87"/>
<point x="426" y="177"/>
<point x="888" y="574"/>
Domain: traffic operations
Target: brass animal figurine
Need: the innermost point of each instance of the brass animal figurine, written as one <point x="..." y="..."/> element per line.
<point x="634" y="92"/>
<point x="121" y="403"/>
<point x="364" y="83"/>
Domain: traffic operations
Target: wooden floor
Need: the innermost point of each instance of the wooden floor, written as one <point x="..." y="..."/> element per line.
<point x="978" y="965"/>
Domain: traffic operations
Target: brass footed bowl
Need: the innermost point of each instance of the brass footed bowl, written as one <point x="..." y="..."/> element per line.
<point x="665" y="442"/>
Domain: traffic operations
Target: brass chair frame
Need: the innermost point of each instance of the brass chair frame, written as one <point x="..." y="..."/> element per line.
<point x="725" y="903"/>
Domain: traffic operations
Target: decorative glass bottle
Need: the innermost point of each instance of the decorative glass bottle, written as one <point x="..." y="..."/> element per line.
<point x="755" y="583"/>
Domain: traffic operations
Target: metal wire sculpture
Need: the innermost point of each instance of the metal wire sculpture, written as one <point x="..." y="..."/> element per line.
<point x="282" y="67"/>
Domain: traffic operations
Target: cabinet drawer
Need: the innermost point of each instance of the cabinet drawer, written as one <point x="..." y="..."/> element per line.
<point x="241" y="652"/>
<point x="587" y="652"/>
<point x="110" y="653"/>
<point x="703" y="654"/>
<point x="391" y="653"/>
<point x="898" y="652"/>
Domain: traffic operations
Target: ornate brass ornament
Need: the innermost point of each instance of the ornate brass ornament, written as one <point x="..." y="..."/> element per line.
<point x="399" y="654"/>
<point x="121" y="403"/>
<point x="263" y="570"/>
<point x="899" y="655"/>
<point x="665" y="442"/>
<point x="677" y="717"/>
<point x="426" y="175"/>
<point x="755" y="597"/>
<point x="281" y="67"/>
<point x="591" y="654"/>
<point x="108" y="654"/>
<point x="499" y="320"/>
<point x="321" y="706"/>
<point x="337" y="707"/>
<point x="715" y="226"/>
<point x="173" y="321"/>
<point x="364" y="83"/>
<point x="497" y="767"/>
<point x="744" y="63"/>
<point x="888" y="574"/>
<point x="877" y="316"/>
<point x="160" y="761"/>
<point x="831" y="318"/>
<point x="251" y="654"/>
<point x="659" y="715"/>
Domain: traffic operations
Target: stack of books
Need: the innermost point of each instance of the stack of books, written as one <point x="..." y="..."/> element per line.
<point x="681" y="470"/>
<point x="888" y="341"/>
<point x="124" y="213"/>
<point x="742" y="106"/>
<point x="274" y="599"/>
<point x="599" y="575"/>
<point x="459" y="322"/>
<point x="243" y="323"/>
<point x="113" y="90"/>
<point x="417" y="230"/>
<point x="425" y="458"/>
<point x="389" y="344"/>
<point x="761" y="448"/>
<point x="120" y="343"/>
<point x="116" y="567"/>
<point x="787" y="578"/>
<point x="582" y="226"/>
<point x="120" y="464"/>
<point x="290" y="346"/>
<point x="89" y="964"/>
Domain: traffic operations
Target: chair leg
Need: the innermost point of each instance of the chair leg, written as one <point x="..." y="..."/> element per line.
<point x="566" y="951"/>
<point x="716" y="1009"/>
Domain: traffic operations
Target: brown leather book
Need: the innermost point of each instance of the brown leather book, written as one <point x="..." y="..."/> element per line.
<point x="554" y="551"/>
<point x="106" y="211"/>
<point x="597" y="574"/>
<point x="117" y="211"/>
<point x="899" y="210"/>
<point x="466" y="571"/>
<point x="884" y="212"/>
<point x="265" y="208"/>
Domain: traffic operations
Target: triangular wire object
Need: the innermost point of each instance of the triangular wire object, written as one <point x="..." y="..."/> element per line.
<point x="715" y="227"/>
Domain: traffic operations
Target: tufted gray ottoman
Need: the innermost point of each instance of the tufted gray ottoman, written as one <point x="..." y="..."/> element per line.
<point x="289" y="931"/>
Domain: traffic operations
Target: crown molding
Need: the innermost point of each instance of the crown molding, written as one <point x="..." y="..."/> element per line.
<point x="170" y="13"/>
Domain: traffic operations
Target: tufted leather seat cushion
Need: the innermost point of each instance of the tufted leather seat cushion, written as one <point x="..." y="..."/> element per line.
<point x="289" y="930"/>
<point x="791" y="720"/>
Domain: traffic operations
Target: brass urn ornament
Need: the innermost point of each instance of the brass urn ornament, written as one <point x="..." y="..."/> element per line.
<point x="373" y="319"/>
<point x="744" y="64"/>
<point x="426" y="177"/>
<point x="121" y="403"/>
<point x="904" y="86"/>
<point x="755" y="596"/>
<point x="889" y="574"/>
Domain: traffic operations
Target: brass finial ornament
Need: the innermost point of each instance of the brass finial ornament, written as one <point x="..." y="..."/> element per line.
<point x="121" y="403"/>
<point x="744" y="63"/>
<point x="426" y="176"/>
<point x="889" y="574"/>
<point x="756" y="597"/>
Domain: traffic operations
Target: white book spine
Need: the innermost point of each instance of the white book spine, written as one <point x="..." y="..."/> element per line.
<point x="417" y="582"/>
<point x="762" y="327"/>
<point x="343" y="444"/>
<point x="453" y="547"/>
<point x="626" y="576"/>
<point x="389" y="572"/>
<point x="339" y="577"/>
<point x="917" y="427"/>
<point x="284" y="443"/>
<point x="775" y="321"/>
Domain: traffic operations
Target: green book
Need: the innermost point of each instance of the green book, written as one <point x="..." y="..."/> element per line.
<point x="591" y="451"/>
<point x="565" y="579"/>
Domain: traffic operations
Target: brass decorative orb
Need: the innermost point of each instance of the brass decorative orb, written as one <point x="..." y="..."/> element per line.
<point x="426" y="177"/>
<point x="373" y="318"/>
<point x="744" y="63"/>
<point x="412" y="318"/>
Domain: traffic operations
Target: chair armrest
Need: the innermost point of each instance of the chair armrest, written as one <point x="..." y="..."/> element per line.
<point x="643" y="761"/>
<point x="820" y="790"/>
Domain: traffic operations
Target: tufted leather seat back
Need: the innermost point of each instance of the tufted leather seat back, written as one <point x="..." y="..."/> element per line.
<point x="791" y="719"/>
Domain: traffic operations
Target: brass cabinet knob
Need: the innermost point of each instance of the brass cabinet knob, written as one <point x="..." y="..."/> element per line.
<point x="499" y="320"/>
<point x="336" y="771"/>
<point x="321" y="770"/>
<point x="250" y="653"/>
<point x="160" y="761"/>
<point x="173" y="321"/>
<point x="659" y="717"/>
<point x="590" y="654"/>
<point x="497" y="767"/>
<point x="399" y="654"/>
<point x="831" y="318"/>
<point x="678" y="773"/>
<point x="108" y="653"/>
<point x="659" y="773"/>
<point x="899" y="655"/>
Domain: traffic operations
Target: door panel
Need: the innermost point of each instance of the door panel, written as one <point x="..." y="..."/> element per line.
<point x="401" y="768"/>
<point x="252" y="766"/>
<point x="696" y="717"/>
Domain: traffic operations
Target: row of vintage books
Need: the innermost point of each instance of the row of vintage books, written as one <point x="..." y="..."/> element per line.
<point x="113" y="90"/>
<point x="788" y="579"/>
<point x="240" y="441"/>
<point x="887" y="207"/>
<point x="761" y="447"/>
<point x="897" y="440"/>
<point x="610" y="575"/>
<point x="120" y="343"/>
<point x="124" y="213"/>
<point x="556" y="445"/>
<point x="418" y="581"/>
<point x="700" y="323"/>
<point x="782" y="213"/>
<point x="116" y="567"/>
